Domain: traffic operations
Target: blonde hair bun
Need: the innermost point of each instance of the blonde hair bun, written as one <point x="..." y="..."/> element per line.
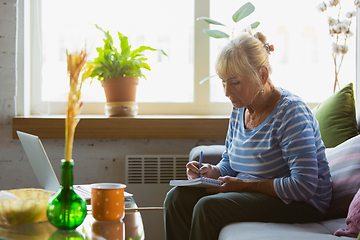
<point x="245" y="54"/>
<point x="261" y="37"/>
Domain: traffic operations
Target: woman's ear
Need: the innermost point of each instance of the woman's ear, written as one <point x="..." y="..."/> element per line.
<point x="264" y="74"/>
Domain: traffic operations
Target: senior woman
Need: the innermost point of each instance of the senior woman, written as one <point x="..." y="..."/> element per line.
<point x="274" y="167"/>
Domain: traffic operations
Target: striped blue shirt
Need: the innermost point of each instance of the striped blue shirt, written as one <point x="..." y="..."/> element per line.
<point x="286" y="147"/>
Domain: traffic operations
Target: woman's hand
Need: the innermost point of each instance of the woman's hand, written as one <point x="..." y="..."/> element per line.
<point x="206" y="170"/>
<point x="233" y="184"/>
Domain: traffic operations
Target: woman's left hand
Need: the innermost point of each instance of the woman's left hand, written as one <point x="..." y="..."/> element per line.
<point x="231" y="184"/>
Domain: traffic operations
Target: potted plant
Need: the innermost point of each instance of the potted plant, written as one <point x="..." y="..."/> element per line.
<point x="119" y="73"/>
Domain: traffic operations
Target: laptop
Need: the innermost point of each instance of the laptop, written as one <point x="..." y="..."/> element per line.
<point x="43" y="169"/>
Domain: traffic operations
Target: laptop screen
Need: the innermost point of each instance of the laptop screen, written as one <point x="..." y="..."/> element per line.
<point x="39" y="161"/>
<point x="42" y="167"/>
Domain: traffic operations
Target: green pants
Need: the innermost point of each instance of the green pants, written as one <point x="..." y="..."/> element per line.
<point x="191" y="213"/>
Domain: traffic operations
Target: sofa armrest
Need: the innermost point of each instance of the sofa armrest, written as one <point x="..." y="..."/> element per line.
<point x="211" y="154"/>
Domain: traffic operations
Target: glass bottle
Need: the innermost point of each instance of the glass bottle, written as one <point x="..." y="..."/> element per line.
<point x="66" y="210"/>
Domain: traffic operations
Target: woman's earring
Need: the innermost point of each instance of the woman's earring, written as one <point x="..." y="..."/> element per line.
<point x="262" y="90"/>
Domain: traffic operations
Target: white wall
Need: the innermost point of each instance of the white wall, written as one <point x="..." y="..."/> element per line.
<point x="95" y="160"/>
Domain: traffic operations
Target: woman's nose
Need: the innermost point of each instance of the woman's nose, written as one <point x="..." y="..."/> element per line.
<point x="226" y="89"/>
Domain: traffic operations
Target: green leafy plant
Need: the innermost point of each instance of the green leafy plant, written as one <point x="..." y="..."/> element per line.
<point x="244" y="11"/>
<point x="111" y="63"/>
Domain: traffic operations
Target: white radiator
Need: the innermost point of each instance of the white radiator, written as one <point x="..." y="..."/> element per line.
<point x="148" y="176"/>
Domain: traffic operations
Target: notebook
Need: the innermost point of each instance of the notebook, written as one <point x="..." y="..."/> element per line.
<point x="197" y="182"/>
<point x="43" y="169"/>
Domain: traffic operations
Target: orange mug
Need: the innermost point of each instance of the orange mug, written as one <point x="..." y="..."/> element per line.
<point x="107" y="201"/>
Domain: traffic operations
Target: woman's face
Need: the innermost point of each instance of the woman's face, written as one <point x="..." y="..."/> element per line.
<point x="241" y="91"/>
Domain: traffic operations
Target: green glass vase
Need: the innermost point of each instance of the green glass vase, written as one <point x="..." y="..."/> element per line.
<point x="65" y="209"/>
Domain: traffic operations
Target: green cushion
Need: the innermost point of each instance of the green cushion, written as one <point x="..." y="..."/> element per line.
<point x="337" y="117"/>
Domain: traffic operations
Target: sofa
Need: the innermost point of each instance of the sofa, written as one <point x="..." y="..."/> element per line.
<point x="340" y="127"/>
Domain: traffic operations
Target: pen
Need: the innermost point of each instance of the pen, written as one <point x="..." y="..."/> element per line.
<point x="200" y="161"/>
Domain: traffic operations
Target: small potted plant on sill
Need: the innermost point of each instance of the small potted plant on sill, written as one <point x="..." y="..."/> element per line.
<point x="119" y="73"/>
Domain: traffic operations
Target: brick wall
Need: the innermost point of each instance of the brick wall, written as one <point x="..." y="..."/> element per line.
<point x="7" y="64"/>
<point x="95" y="160"/>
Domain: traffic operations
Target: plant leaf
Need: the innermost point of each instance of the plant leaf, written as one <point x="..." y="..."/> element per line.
<point x="243" y="12"/>
<point x="107" y="35"/>
<point x="207" y="78"/>
<point x="108" y="39"/>
<point x="136" y="52"/>
<point x="216" y="33"/>
<point x="146" y="66"/>
<point x="208" y="20"/>
<point x="254" y="25"/>
<point x="124" y="44"/>
<point x="162" y="51"/>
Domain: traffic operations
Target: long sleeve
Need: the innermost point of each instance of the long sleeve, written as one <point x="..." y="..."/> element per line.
<point x="303" y="151"/>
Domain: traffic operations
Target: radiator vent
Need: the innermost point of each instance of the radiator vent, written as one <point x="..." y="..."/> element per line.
<point x="155" y="169"/>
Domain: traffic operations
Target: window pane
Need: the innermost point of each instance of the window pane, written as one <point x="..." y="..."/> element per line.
<point x="302" y="61"/>
<point x="161" y="24"/>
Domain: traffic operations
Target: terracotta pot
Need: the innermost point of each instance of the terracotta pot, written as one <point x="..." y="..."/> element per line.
<point x="121" y="89"/>
<point x="121" y="96"/>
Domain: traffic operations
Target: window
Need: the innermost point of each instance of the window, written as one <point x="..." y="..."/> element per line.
<point x="160" y="24"/>
<point x="301" y="61"/>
